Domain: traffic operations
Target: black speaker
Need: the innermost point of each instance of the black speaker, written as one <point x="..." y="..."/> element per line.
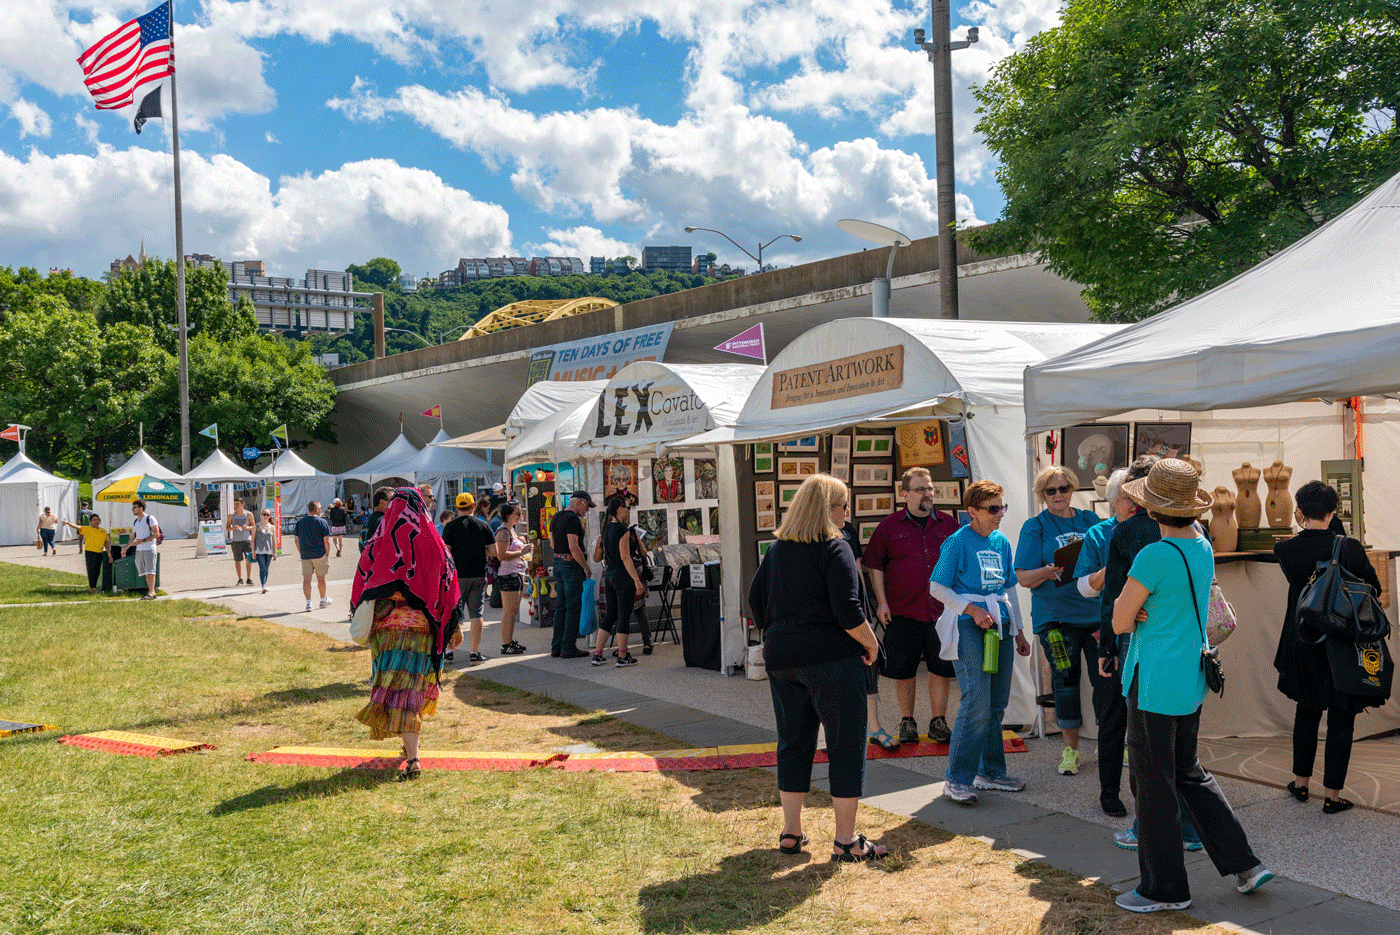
<point x="700" y="628"/>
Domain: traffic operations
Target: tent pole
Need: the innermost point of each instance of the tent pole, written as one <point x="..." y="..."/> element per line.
<point x="1035" y="643"/>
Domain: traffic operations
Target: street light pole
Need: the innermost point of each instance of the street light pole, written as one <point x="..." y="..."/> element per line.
<point x="425" y="341"/>
<point x="940" y="54"/>
<point x="761" y="247"/>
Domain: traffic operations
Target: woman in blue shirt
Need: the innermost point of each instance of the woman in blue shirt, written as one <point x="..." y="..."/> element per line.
<point x="973" y="580"/>
<point x="1056" y="603"/>
<point x="1163" y="604"/>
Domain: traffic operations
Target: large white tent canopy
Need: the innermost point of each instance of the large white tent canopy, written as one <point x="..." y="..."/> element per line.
<point x="1318" y="319"/>
<point x="25" y="489"/>
<point x="393" y="461"/>
<point x="175" y="521"/>
<point x="439" y="464"/>
<point x="546" y="420"/>
<point x="300" y="482"/>
<point x="219" y="468"/>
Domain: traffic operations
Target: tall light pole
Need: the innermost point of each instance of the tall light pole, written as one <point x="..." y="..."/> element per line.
<point x="940" y="54"/>
<point x="761" y="247"/>
<point x="425" y="341"/>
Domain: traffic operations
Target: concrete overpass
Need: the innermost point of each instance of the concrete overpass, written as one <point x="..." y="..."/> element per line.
<point x="479" y="379"/>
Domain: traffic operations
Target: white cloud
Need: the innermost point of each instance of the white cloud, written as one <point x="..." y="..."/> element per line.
<point x="582" y="242"/>
<point x="33" y="121"/>
<point x="270" y="138"/>
<point x="80" y="211"/>
<point x="88" y="127"/>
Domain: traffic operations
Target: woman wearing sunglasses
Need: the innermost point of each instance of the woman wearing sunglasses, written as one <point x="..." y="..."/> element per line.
<point x="1057" y="605"/>
<point x="973" y="582"/>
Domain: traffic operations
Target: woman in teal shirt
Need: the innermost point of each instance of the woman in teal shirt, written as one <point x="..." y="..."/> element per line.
<point x="1164" y="684"/>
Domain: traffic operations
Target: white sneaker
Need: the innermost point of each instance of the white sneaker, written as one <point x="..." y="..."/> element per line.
<point x="325" y="602"/>
<point x="308" y="607"/>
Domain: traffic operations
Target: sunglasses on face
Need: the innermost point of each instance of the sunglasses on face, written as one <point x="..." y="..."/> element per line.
<point x="1056" y="491"/>
<point x="995" y="509"/>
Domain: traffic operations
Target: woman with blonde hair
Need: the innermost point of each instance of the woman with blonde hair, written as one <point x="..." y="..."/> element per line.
<point x="816" y="644"/>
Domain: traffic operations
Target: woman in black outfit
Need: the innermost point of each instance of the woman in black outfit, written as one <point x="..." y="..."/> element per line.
<point x="1304" y="674"/>
<point x="816" y="645"/>
<point x="622" y="582"/>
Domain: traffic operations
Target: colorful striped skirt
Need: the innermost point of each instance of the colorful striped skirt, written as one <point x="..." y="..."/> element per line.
<point x="404" y="686"/>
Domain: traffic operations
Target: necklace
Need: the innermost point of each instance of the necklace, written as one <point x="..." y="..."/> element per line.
<point x="1073" y="524"/>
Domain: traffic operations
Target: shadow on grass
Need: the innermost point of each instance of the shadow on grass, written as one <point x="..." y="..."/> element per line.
<point x="1075" y="909"/>
<point x="348" y="780"/>
<point x="748" y="890"/>
<point x="254" y="707"/>
<point x="333" y="691"/>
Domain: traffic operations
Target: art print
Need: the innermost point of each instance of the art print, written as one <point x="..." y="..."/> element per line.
<point x="714" y="521"/>
<point x="620" y="477"/>
<point x="763" y="546"/>
<point x="706" y="479"/>
<point x="1163" y="439"/>
<point x="947" y="492"/>
<point x="763" y="458"/>
<point x="921" y="444"/>
<point x="668" y="480"/>
<point x="810" y="443"/>
<point x="873" y="446"/>
<point x="874" y="504"/>
<point x="795" y="468"/>
<point x="786" y="494"/>
<point x="654" y="522"/>
<point x="688" y="524"/>
<point x="866" y="529"/>
<point x="873" y="475"/>
<point x="958" y="461"/>
<point x="1096" y="449"/>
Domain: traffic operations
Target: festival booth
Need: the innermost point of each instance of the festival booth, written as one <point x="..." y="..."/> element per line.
<point x="450" y="470"/>
<point x="175" y="520"/>
<point x="866" y="398"/>
<point x="391" y="464"/>
<point x="1287" y="363"/>
<point x="300" y="482"/>
<point x="542" y="430"/>
<point x="219" y="475"/>
<point x="25" y="489"/>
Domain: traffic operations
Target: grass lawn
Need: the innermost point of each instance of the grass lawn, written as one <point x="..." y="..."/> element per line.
<point x="35" y="584"/>
<point x="92" y="842"/>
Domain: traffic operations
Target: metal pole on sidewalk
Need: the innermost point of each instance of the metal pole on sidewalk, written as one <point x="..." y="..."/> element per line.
<point x="180" y="270"/>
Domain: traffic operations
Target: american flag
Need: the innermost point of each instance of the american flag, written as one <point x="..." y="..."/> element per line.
<point x="136" y="53"/>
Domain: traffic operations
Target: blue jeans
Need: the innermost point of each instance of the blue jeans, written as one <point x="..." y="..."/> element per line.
<point x="568" y="602"/>
<point x="264" y="562"/>
<point x="976" y="748"/>
<point x="1082" y="644"/>
<point x="830" y="695"/>
<point x="47" y="536"/>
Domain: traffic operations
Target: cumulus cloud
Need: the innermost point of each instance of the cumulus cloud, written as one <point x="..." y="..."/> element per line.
<point x="270" y="138"/>
<point x="582" y="242"/>
<point x="80" y="211"/>
<point x="33" y="121"/>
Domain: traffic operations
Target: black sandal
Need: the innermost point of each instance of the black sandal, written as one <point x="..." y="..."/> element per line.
<point x="1333" y="806"/>
<point x="794" y="848"/>
<point x="410" y="770"/>
<point x="1298" y="792"/>
<point x="848" y="857"/>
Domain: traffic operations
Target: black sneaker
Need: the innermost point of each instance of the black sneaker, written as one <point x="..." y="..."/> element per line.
<point x="1112" y="805"/>
<point x="908" y="730"/>
<point x="447" y="656"/>
<point x="475" y="658"/>
<point x="938" y="730"/>
<point x="513" y="649"/>
<point x="646" y="650"/>
<point x="627" y="660"/>
<point x="573" y="653"/>
<point x="597" y="660"/>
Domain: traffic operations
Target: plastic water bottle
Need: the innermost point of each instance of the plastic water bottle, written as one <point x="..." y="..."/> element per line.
<point x="991" y="650"/>
<point x="1058" y="651"/>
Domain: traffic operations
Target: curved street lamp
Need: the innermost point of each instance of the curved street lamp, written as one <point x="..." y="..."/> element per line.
<point x="761" y="247"/>
<point x="415" y="334"/>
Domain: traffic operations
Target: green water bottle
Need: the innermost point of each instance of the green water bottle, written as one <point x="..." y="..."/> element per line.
<point x="991" y="650"/>
<point x="1058" y="652"/>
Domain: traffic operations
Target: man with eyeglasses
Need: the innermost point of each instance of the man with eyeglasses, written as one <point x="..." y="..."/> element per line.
<point x="901" y="555"/>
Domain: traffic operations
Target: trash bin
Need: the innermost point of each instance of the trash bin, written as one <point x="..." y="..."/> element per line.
<point x="700" y="617"/>
<point x="125" y="576"/>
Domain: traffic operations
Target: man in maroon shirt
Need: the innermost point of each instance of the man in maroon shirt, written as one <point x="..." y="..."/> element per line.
<point x="901" y="555"/>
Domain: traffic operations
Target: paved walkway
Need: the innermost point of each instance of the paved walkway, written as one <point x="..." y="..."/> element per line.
<point x="1318" y="858"/>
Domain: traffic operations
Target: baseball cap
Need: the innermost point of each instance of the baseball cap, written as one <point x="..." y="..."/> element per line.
<point x="582" y="495"/>
<point x="499" y="487"/>
<point x="465" y="499"/>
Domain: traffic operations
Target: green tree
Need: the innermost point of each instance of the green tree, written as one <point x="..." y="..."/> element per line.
<point x="146" y="298"/>
<point x="19" y="289"/>
<point x="380" y="272"/>
<point x="1152" y="149"/>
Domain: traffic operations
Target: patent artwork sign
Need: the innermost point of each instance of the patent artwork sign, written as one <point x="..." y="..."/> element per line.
<point x="858" y="375"/>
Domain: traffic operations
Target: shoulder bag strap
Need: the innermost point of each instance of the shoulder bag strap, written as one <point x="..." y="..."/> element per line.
<point x="1192" y="583"/>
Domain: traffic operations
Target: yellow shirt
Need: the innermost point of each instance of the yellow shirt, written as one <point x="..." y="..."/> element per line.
<point x="94" y="538"/>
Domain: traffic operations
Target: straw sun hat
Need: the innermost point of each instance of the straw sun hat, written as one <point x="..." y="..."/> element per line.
<point x="1170" y="488"/>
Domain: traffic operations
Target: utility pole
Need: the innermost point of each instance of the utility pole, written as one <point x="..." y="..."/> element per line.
<point x="940" y="51"/>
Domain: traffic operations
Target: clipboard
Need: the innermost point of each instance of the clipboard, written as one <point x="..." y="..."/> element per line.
<point x="1067" y="557"/>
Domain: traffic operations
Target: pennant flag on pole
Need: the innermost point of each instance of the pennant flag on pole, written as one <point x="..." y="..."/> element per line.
<point x="11" y="433"/>
<point x="149" y="109"/>
<point x="280" y="433"/>
<point x="746" y="344"/>
<point x="134" y="54"/>
<point x="211" y="431"/>
<point x="435" y="412"/>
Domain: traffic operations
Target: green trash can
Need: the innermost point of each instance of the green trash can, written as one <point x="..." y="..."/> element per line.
<point x="125" y="577"/>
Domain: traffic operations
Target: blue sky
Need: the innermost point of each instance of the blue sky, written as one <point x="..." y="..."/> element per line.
<point x="318" y="133"/>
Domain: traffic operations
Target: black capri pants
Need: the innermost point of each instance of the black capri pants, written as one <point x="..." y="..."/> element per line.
<point x="828" y="695"/>
<point x="619" y="592"/>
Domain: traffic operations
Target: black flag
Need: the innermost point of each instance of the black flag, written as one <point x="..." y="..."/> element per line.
<point x="149" y="109"/>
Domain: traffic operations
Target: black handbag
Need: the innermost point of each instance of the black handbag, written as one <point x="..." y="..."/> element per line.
<point x="1338" y="604"/>
<point x="1210" y="656"/>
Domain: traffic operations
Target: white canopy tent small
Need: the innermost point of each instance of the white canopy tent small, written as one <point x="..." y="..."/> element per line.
<point x="949" y="369"/>
<point x="543" y="399"/>
<point x="214" y="471"/>
<point x="393" y="461"/>
<point x="441" y="465"/>
<point x="25" y="489"/>
<point x="545" y="423"/>
<point x="174" y="520"/>
<point x="488" y="439"/>
<point x="300" y="482"/>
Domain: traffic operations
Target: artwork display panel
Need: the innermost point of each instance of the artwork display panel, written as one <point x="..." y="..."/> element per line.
<point x="1094" y="449"/>
<point x="714" y="521"/>
<point x="921" y="444"/>
<point x="874" y="504"/>
<point x="841" y="457"/>
<point x="873" y="475"/>
<point x="786" y="493"/>
<point x="620" y="477"/>
<point x="866" y="529"/>
<point x="688" y="523"/>
<point x="668" y="480"/>
<point x="1163" y="439"/>
<point x="654" y="522"/>
<point x="947" y="492"/>
<point x="810" y="443"/>
<point x="795" y="468"/>
<point x="873" y="446"/>
<point x="763" y="546"/>
<point x="706" y="479"/>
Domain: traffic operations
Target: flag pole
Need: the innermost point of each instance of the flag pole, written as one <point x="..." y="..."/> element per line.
<point x="180" y="267"/>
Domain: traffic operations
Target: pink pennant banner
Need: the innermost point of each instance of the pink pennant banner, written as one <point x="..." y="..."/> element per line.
<point x="747" y="344"/>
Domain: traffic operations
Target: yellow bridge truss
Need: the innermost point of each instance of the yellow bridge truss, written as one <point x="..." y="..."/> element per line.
<point x="532" y="311"/>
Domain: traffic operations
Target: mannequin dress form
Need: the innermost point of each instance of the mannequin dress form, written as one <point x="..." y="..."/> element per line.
<point x="1224" y="531"/>
<point x="1247" y="505"/>
<point x="1279" y="506"/>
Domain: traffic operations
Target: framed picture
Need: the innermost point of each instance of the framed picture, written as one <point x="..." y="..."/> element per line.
<point x="866" y="529"/>
<point x="1163" y="439"/>
<point x="791" y="468"/>
<point x="620" y="477"/>
<point x="688" y="523"/>
<point x="763" y="458"/>
<point x="766" y="520"/>
<point x="874" y="504"/>
<point x="957" y="450"/>
<point x="810" y="443"/>
<point x="873" y="475"/>
<point x="921" y="444"/>
<point x="1094" y="449"/>
<point x="947" y="492"/>
<point x="873" y="446"/>
<point x="668" y="480"/>
<point x="654" y="522"/>
<point x="714" y="520"/>
<point x="964" y="518"/>
<point x="786" y="492"/>
<point x="841" y="457"/>
<point x="706" y="479"/>
<point x="763" y="546"/>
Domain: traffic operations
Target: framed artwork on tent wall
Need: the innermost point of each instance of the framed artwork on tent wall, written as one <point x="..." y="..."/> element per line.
<point x="947" y="493"/>
<point x="706" y="479"/>
<point x="1163" y="439"/>
<point x="1094" y="449"/>
<point x="763" y="458"/>
<point x="620" y="477"/>
<point x="874" y="504"/>
<point x="765" y="506"/>
<point x="866" y="529"/>
<point x="668" y="480"/>
<point x="763" y="546"/>
<point x="810" y="443"/>
<point x="797" y="468"/>
<point x="841" y="457"/>
<point x="873" y="475"/>
<point x="786" y="493"/>
<point x="654" y="522"/>
<point x="874" y="446"/>
<point x="921" y="444"/>
<point x="688" y="523"/>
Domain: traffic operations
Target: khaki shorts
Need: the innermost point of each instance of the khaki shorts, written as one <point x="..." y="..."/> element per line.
<point x="315" y="566"/>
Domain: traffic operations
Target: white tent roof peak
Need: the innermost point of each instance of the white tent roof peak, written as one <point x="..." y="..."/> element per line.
<point x="219" y="467"/>
<point x="439" y="459"/>
<point x="288" y="464"/>
<point x="1320" y="318"/>
<point x="392" y="461"/>
<point x="19" y="462"/>
<point x="22" y="470"/>
<point x="139" y="463"/>
<point x="547" y="397"/>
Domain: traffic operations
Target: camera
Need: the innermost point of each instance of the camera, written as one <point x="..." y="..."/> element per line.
<point x="919" y="37"/>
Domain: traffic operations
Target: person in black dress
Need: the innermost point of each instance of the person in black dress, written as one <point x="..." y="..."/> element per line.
<point x="1304" y="674"/>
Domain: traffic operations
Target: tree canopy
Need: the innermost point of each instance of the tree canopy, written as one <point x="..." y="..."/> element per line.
<point x="1152" y="149"/>
<point x="380" y="272"/>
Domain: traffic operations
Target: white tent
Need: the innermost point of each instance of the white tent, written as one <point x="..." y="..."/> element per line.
<point x="393" y="461"/>
<point x="861" y="370"/>
<point x="300" y="482"/>
<point x="219" y="468"/>
<point x="545" y="423"/>
<point x="547" y="397"/>
<point x="438" y="464"/>
<point x="25" y="489"/>
<point x="1320" y="319"/>
<point x="174" y="520"/>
